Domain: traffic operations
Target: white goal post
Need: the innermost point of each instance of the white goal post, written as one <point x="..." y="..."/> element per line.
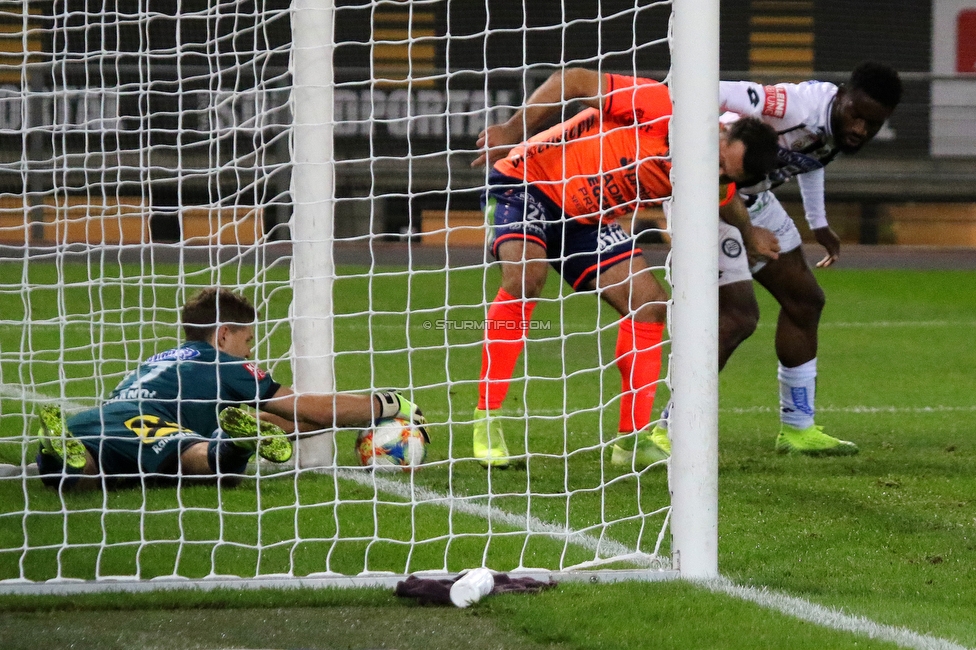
<point x="314" y="156"/>
<point x="313" y="194"/>
<point x="694" y="272"/>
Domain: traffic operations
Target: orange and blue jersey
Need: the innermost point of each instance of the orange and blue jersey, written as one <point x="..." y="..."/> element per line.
<point x="564" y="188"/>
<point x="602" y="164"/>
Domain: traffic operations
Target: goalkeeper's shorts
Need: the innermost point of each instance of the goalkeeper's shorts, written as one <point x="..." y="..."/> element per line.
<point x="130" y="443"/>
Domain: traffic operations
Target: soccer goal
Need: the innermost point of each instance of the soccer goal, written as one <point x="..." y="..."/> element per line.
<point x="315" y="156"/>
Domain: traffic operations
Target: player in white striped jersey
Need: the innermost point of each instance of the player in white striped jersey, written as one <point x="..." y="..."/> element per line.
<point x="816" y="121"/>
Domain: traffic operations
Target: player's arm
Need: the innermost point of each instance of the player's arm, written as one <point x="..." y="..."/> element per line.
<point x="289" y="425"/>
<point x="759" y="242"/>
<point x="743" y="97"/>
<point x="812" y="192"/>
<point x="783" y="106"/>
<point x="545" y="103"/>
<point x="316" y="411"/>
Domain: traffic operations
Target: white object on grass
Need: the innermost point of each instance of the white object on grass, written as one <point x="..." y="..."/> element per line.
<point x="472" y="587"/>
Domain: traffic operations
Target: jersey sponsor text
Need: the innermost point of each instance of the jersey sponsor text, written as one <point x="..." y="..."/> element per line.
<point x="176" y="354"/>
<point x="252" y="368"/>
<point x="775" y="105"/>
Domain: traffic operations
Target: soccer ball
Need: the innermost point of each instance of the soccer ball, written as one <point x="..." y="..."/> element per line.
<point x="393" y="443"/>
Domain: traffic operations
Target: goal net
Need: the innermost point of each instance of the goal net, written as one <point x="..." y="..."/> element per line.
<point x="316" y="158"/>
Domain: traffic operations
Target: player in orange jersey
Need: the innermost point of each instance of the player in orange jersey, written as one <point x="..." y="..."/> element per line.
<point x="554" y="200"/>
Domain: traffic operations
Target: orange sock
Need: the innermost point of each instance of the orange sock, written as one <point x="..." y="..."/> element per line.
<point x="508" y="321"/>
<point x="639" y="361"/>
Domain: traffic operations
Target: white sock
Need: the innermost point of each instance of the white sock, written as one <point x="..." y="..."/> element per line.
<point x="665" y="416"/>
<point x="797" y="394"/>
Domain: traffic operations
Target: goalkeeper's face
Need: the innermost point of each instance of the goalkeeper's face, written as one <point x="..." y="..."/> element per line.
<point x="235" y="340"/>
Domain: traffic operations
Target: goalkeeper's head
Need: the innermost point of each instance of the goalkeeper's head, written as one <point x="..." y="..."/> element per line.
<point x="210" y="309"/>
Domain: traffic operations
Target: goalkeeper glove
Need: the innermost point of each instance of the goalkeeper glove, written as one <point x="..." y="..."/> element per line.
<point x="395" y="405"/>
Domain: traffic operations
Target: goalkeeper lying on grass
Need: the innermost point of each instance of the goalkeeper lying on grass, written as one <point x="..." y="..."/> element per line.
<point x="177" y="414"/>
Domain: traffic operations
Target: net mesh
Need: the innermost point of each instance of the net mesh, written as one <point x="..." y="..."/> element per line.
<point x="147" y="152"/>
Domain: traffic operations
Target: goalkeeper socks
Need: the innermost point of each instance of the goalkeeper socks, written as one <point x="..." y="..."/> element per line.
<point x="639" y="360"/>
<point x="797" y="394"/>
<point x="55" y="473"/>
<point x="224" y="457"/>
<point x="505" y="328"/>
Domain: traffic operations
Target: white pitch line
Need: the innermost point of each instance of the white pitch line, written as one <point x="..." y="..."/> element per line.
<point x="605" y="547"/>
<point x="858" y="409"/>
<point x="22" y="393"/>
<point x="581" y="327"/>
<point x="889" y="323"/>
<point x="568" y="326"/>
<point x="829" y="617"/>
<point x="788" y="605"/>
<point x="740" y="410"/>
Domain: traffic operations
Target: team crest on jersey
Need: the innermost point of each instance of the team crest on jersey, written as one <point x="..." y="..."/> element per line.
<point x="176" y="354"/>
<point x="252" y="368"/>
<point x="775" y="105"/>
<point x="731" y="247"/>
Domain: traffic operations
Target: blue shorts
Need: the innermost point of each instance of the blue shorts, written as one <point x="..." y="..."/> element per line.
<point x="578" y="251"/>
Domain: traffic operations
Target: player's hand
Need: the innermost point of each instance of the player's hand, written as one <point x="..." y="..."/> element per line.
<point x="829" y="240"/>
<point x="496" y="141"/>
<point x="762" y="245"/>
<point x="395" y="405"/>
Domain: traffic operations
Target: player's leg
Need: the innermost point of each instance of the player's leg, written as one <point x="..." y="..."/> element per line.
<point x="738" y="310"/>
<point x="791" y="282"/>
<point x="640" y="299"/>
<point x="201" y="462"/>
<point x="519" y="237"/>
<point x="224" y="456"/>
<point x="247" y="434"/>
<point x="139" y="447"/>
<point x="524" y="268"/>
<point x="63" y="461"/>
<point x="605" y="259"/>
<point x="738" y="315"/>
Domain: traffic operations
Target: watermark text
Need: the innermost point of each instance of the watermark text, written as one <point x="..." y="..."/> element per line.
<point x="485" y="324"/>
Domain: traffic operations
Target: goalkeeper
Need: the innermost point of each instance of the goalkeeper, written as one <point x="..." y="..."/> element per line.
<point x="177" y="414"/>
<point x="554" y="199"/>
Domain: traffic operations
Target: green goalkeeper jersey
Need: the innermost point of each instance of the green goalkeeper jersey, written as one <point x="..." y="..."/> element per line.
<point x="187" y="386"/>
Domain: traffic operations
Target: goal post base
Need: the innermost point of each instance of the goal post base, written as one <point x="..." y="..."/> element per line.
<point x="67" y="587"/>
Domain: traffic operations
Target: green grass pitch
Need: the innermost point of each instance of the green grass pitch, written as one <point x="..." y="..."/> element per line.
<point x="887" y="534"/>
